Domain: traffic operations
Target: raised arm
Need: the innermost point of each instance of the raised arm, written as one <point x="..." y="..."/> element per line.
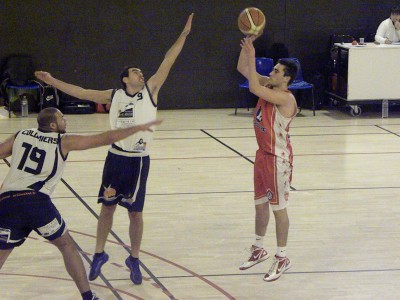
<point x="243" y="66"/>
<point x="83" y="142"/>
<point x="6" y="147"/>
<point x="274" y="96"/>
<point x="156" y="81"/>
<point x="74" y="90"/>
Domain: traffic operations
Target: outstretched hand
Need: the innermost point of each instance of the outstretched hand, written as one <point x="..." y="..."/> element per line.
<point x="147" y="126"/>
<point x="188" y="25"/>
<point x="43" y="76"/>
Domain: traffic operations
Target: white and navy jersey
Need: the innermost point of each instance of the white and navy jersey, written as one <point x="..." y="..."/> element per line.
<point x="131" y="110"/>
<point x="36" y="163"/>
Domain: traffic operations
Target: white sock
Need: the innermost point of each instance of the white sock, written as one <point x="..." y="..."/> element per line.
<point x="281" y="252"/>
<point x="259" y="241"/>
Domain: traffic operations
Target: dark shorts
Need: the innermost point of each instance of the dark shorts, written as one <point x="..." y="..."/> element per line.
<point x="24" y="211"/>
<point x="124" y="181"/>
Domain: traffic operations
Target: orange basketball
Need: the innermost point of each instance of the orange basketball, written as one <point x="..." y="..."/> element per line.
<point x="251" y="21"/>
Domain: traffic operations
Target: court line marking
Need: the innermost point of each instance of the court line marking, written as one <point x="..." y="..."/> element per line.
<point x="290" y="272"/>
<point x="225" y="145"/>
<point x="194" y="274"/>
<point x="389" y="131"/>
<point x="163" y="288"/>
<point x="83" y="254"/>
<point x="108" y="284"/>
<point x="250" y="127"/>
<point x="237" y="152"/>
<point x="114" y="291"/>
<point x="317" y="272"/>
<point x="70" y="280"/>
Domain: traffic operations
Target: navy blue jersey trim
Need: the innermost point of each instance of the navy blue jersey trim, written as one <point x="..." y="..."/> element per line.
<point x="151" y="96"/>
<point x="120" y="149"/>
<point x="112" y="94"/>
<point x="60" y="149"/>
<point x="37" y="186"/>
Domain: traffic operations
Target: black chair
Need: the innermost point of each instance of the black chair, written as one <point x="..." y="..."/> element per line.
<point x="299" y="85"/>
<point x="264" y="66"/>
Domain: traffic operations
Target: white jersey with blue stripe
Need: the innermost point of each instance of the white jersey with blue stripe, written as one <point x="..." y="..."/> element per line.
<point x="36" y="163"/>
<point x="131" y="110"/>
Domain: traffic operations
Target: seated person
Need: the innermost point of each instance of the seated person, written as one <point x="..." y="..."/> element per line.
<point x="389" y="30"/>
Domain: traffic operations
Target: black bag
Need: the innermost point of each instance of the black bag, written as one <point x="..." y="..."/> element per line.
<point x="78" y="107"/>
<point x="49" y="97"/>
<point x="72" y="105"/>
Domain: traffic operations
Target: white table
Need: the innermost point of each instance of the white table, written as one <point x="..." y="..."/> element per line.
<point x="373" y="72"/>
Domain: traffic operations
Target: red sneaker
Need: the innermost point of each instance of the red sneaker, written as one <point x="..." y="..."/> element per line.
<point x="257" y="255"/>
<point x="280" y="265"/>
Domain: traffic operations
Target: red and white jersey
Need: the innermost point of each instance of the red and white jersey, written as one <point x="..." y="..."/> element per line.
<point x="272" y="131"/>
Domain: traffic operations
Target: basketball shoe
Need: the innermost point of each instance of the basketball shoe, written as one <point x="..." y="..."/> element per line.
<point x="257" y="255"/>
<point x="99" y="259"/>
<point x="133" y="265"/>
<point x="89" y="296"/>
<point x="280" y="265"/>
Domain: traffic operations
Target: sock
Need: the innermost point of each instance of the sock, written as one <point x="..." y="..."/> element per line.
<point x="259" y="241"/>
<point x="281" y="252"/>
<point x="133" y="258"/>
<point x="99" y="254"/>
<point x="87" y="295"/>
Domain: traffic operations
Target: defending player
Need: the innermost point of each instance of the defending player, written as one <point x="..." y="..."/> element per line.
<point x="38" y="160"/>
<point x="127" y="164"/>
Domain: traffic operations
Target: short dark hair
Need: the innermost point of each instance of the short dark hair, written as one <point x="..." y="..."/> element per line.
<point x="45" y="117"/>
<point x="291" y="68"/>
<point x="395" y="10"/>
<point x="125" y="73"/>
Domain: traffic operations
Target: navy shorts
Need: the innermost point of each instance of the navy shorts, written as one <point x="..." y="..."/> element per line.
<point x="24" y="211"/>
<point x="124" y="181"/>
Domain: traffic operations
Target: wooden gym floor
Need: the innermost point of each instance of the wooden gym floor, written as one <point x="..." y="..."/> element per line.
<point x="199" y="215"/>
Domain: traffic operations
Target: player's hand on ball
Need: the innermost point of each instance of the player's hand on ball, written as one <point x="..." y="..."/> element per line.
<point x="253" y="37"/>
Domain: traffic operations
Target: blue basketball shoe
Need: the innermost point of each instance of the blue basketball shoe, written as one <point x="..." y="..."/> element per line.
<point x="133" y="265"/>
<point x="99" y="259"/>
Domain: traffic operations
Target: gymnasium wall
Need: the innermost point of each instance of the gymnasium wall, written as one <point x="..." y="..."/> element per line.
<point x="88" y="42"/>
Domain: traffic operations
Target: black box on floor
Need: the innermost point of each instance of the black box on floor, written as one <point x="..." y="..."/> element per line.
<point x="72" y="105"/>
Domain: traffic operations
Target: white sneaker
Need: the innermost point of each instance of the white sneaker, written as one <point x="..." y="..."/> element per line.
<point x="280" y="265"/>
<point x="257" y="255"/>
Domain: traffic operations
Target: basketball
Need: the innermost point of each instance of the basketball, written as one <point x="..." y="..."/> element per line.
<point x="251" y="21"/>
